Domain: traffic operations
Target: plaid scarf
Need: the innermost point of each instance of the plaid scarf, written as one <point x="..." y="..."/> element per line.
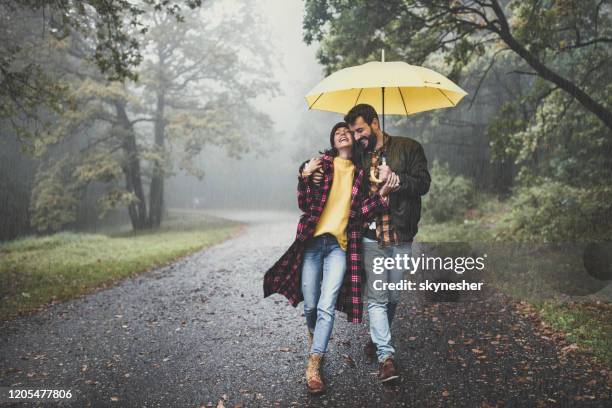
<point x="385" y="232"/>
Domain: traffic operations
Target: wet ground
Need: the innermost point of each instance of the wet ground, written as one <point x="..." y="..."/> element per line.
<point x="200" y="333"/>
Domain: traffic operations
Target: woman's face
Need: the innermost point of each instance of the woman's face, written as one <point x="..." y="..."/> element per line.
<point x="343" y="138"/>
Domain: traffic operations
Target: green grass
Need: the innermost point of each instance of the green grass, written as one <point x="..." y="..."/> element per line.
<point x="37" y="270"/>
<point x="589" y="325"/>
<point x="542" y="279"/>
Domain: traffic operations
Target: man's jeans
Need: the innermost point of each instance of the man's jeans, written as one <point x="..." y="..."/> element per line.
<point x="322" y="275"/>
<point x="382" y="303"/>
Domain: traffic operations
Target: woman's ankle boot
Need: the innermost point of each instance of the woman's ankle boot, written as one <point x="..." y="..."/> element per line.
<point x="313" y="373"/>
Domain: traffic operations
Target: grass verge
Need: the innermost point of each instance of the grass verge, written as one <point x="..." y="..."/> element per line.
<point x="35" y="271"/>
<point x="587" y="323"/>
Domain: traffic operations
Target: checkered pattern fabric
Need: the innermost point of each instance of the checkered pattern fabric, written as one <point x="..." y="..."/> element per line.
<point x="385" y="232"/>
<point x="284" y="276"/>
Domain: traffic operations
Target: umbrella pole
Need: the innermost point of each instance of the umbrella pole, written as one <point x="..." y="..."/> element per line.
<point x="383" y="109"/>
<point x="382" y="59"/>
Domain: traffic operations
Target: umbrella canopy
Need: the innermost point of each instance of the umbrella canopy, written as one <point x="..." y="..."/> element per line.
<point x="394" y="88"/>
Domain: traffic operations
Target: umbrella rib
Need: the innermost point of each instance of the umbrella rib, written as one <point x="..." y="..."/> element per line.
<point x="442" y="92"/>
<point x="320" y="95"/>
<point x="358" y="96"/>
<point x="403" y="102"/>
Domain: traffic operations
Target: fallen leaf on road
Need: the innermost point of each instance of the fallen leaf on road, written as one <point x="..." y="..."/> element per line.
<point x="570" y="348"/>
<point x="349" y="360"/>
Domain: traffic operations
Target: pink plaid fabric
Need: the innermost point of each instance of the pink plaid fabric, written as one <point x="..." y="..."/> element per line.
<point x="284" y="276"/>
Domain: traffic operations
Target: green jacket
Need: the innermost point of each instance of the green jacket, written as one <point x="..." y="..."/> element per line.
<point x="406" y="157"/>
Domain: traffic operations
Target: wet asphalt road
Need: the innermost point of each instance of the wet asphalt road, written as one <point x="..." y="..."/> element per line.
<point x="199" y="333"/>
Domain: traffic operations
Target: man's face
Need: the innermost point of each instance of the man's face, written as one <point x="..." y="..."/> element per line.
<point x="363" y="134"/>
<point x="342" y="138"/>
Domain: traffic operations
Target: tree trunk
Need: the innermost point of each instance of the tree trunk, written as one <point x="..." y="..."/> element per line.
<point x="156" y="193"/>
<point x="131" y="169"/>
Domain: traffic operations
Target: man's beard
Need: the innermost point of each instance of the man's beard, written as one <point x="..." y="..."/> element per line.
<point x="371" y="142"/>
<point x="359" y="152"/>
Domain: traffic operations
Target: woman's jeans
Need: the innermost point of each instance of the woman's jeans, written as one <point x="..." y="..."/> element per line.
<point x="322" y="275"/>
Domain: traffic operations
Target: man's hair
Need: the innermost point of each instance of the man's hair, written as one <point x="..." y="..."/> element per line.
<point x="367" y="112"/>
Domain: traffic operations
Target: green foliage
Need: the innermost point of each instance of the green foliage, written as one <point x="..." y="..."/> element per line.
<point x="552" y="211"/>
<point x="54" y="198"/>
<point x="60" y="183"/>
<point x="35" y="40"/>
<point x="454" y="33"/>
<point x="449" y="195"/>
<point x="562" y="142"/>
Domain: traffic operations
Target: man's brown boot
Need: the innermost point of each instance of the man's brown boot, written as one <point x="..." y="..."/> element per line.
<point x="387" y="370"/>
<point x="309" y="340"/>
<point x="314" y="382"/>
<point x="370" y="349"/>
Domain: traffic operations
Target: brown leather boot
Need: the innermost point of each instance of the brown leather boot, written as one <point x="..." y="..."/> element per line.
<point x="314" y="381"/>
<point x="309" y="340"/>
<point x="387" y="370"/>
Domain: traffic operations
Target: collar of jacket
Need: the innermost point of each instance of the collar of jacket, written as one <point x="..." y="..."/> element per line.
<point x="386" y="141"/>
<point x="380" y="151"/>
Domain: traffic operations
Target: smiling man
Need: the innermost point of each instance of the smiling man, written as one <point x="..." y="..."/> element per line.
<point x="393" y="231"/>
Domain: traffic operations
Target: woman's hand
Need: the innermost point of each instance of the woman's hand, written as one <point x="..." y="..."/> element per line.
<point x="312" y="166"/>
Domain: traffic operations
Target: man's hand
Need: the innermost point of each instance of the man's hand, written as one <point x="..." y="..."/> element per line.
<point x="383" y="172"/>
<point x="391" y="185"/>
<point x="394" y="182"/>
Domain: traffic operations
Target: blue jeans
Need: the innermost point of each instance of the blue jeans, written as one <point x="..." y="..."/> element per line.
<point x="382" y="303"/>
<point x="322" y="275"/>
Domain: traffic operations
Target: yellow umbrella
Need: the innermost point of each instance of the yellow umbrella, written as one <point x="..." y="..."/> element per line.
<point x="394" y="88"/>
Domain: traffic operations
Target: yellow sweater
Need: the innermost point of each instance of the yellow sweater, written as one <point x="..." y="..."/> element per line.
<point x="335" y="215"/>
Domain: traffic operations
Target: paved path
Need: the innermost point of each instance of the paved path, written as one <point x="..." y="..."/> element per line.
<point x="200" y="333"/>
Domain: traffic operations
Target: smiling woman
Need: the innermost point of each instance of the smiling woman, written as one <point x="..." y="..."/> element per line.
<point x="323" y="265"/>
